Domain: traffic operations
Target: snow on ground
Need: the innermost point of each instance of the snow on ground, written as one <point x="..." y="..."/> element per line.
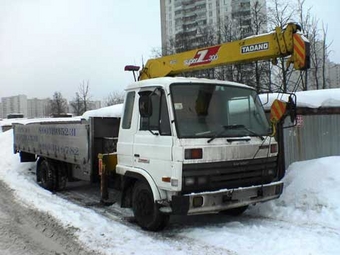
<point x="311" y="195"/>
<point x="305" y="220"/>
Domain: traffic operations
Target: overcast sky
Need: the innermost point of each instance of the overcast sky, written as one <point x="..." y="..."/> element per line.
<point x="54" y="45"/>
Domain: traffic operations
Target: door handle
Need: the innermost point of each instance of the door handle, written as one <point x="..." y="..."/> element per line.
<point x="136" y="155"/>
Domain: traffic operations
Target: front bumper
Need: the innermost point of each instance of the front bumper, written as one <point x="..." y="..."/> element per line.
<point x="215" y="201"/>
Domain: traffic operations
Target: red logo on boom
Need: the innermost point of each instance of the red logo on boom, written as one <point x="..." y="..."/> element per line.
<point x="204" y="56"/>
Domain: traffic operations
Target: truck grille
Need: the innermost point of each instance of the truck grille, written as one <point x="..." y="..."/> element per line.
<point x="229" y="174"/>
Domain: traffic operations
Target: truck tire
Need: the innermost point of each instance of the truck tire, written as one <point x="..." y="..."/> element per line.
<point x="48" y="175"/>
<point x="61" y="177"/>
<point x="235" y="211"/>
<point x="145" y="210"/>
<point x="38" y="171"/>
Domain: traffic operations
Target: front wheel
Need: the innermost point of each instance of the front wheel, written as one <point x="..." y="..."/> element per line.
<point x="145" y="210"/>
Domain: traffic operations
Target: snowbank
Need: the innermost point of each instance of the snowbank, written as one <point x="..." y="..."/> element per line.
<point x="311" y="194"/>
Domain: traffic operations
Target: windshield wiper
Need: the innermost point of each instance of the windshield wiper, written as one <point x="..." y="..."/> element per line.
<point x="251" y="131"/>
<point x="234" y="126"/>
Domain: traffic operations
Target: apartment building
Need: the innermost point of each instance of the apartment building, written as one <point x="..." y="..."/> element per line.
<point x="191" y="19"/>
<point x="14" y="104"/>
<point x="334" y="75"/>
<point x="37" y="108"/>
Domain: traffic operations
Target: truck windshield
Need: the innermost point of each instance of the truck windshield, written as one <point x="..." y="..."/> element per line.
<point x="204" y="110"/>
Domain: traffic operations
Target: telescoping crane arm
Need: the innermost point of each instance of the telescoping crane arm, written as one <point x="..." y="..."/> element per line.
<point x="270" y="46"/>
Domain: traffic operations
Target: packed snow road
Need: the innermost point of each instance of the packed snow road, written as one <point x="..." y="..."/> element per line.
<point x="305" y="220"/>
<point x="27" y="231"/>
<point x="254" y="232"/>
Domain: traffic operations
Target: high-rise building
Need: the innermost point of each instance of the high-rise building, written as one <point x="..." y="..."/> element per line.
<point x="334" y="75"/>
<point x="191" y="20"/>
<point x="37" y="108"/>
<point x="14" y="105"/>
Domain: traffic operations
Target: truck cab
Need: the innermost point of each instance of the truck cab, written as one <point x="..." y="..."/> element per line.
<point x="189" y="146"/>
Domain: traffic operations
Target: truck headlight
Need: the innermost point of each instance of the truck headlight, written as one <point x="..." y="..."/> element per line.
<point x="189" y="181"/>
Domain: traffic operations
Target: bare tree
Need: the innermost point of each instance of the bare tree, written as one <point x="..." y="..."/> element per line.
<point x="58" y="104"/>
<point x="314" y="78"/>
<point x="315" y="55"/>
<point x="157" y="52"/>
<point x="227" y="33"/>
<point x="324" y="55"/>
<point x="260" y="75"/>
<point x="279" y="14"/>
<point x="114" y="98"/>
<point x="84" y="89"/>
<point x="168" y="49"/>
<point x="306" y="21"/>
<point x="77" y="105"/>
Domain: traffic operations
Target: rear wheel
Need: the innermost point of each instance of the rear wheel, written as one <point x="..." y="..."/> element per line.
<point x="235" y="211"/>
<point x="47" y="174"/>
<point x="61" y="177"/>
<point x="145" y="210"/>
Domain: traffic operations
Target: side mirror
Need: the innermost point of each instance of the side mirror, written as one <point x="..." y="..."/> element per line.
<point x="145" y="105"/>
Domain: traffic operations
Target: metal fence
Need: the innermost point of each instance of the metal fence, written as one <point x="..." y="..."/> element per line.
<point x="316" y="135"/>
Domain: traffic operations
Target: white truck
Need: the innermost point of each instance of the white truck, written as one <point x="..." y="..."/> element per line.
<point x="183" y="145"/>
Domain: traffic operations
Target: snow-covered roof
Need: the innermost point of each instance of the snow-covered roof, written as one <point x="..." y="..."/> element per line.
<point x="24" y="121"/>
<point x="8" y="122"/>
<point x="310" y="99"/>
<point x="109" y="111"/>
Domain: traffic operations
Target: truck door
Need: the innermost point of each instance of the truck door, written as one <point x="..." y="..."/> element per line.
<point x="153" y="140"/>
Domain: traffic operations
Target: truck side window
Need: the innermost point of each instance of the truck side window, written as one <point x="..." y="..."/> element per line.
<point x="164" y="122"/>
<point x="127" y="118"/>
<point x="159" y="120"/>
